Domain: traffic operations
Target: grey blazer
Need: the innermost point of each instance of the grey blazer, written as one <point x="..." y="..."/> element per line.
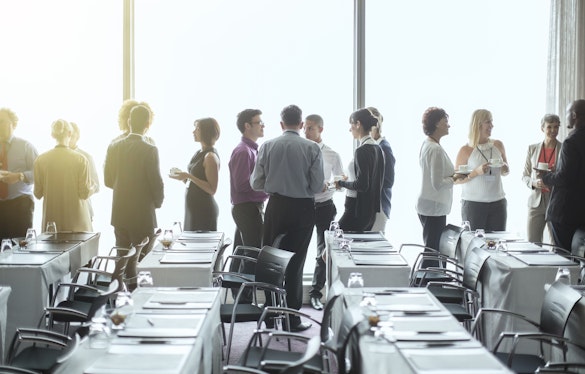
<point x="529" y="174"/>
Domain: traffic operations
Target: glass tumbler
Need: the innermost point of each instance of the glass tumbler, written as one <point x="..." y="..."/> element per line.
<point x="144" y="279"/>
<point x="564" y="276"/>
<point x="356" y="280"/>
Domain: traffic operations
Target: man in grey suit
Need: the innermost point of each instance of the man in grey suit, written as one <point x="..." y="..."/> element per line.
<point x="132" y="171"/>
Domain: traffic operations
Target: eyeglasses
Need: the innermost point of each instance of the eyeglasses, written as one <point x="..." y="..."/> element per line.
<point x="261" y="123"/>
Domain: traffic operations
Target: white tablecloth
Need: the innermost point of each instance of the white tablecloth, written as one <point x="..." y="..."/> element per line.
<point x="200" y="355"/>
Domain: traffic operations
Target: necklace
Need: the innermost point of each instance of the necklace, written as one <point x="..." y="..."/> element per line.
<point x="543" y="151"/>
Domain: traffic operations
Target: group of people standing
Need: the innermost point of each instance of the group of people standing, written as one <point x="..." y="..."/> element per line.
<point x="554" y="172"/>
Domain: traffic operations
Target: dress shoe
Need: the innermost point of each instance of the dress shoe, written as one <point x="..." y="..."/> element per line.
<point x="316" y="303"/>
<point x="300" y="327"/>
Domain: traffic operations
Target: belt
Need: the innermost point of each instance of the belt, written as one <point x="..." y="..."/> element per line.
<point x="324" y="203"/>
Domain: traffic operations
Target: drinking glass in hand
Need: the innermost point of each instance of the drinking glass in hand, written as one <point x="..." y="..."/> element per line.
<point x="51" y="227"/>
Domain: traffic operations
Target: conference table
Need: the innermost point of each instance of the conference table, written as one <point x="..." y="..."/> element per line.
<point x="188" y="262"/>
<point x="31" y="273"/>
<point x="173" y="330"/>
<point x="369" y="253"/>
<point x="4" y="294"/>
<point x="415" y="334"/>
<point x="514" y="279"/>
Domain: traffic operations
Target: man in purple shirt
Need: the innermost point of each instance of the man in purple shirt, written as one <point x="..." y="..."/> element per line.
<point x="248" y="205"/>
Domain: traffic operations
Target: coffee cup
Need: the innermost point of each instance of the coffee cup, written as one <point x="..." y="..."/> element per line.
<point x="542" y="166"/>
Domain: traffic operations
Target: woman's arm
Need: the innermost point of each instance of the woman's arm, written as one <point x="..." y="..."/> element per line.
<point x="463" y="159"/>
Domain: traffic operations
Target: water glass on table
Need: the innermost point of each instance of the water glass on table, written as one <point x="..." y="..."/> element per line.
<point x="51" y="228"/>
<point x="144" y="279"/>
<point x="6" y="245"/>
<point x="356" y="280"/>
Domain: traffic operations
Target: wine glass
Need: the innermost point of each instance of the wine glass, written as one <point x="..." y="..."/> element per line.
<point x="31" y="236"/>
<point x="564" y="276"/>
<point x="177" y="227"/>
<point x="6" y="245"/>
<point x="356" y="280"/>
<point x="144" y="279"/>
<point x="465" y="226"/>
<point x="124" y="307"/>
<point x="51" y="227"/>
<point x="480" y="233"/>
<point x="167" y="239"/>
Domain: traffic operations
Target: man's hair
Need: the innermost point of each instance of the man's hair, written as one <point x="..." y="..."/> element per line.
<point x="139" y="119"/>
<point x="208" y="130"/>
<point x="291" y="115"/>
<point x="124" y="113"/>
<point x="11" y="115"/>
<point x="315" y="118"/>
<point x="245" y="116"/>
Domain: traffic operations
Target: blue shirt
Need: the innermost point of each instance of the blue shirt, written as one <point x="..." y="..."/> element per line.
<point x="21" y="157"/>
<point x="289" y="165"/>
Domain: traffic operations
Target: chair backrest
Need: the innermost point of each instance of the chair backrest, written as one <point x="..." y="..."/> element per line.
<point x="335" y="291"/>
<point x="450" y="239"/>
<point x="349" y="323"/>
<point x="474" y="263"/>
<point x="559" y="301"/>
<point x="218" y="260"/>
<point x="272" y="264"/>
<point x="102" y="298"/>
<point x="123" y="256"/>
<point x="578" y="243"/>
<point x="313" y="347"/>
<point x="278" y="240"/>
<point x="142" y="244"/>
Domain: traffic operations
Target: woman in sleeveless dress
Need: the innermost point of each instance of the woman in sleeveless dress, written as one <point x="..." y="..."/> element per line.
<point x="483" y="202"/>
<point x="201" y="209"/>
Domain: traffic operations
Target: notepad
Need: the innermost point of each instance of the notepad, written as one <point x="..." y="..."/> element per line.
<point x="390" y="259"/>
<point x="187" y="258"/>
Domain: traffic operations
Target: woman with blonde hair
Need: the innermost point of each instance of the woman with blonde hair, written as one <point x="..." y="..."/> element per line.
<point x="483" y="202"/>
<point x="62" y="181"/>
<point x="201" y="210"/>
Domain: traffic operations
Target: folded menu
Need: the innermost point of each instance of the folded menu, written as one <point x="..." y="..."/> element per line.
<point x="163" y="326"/>
<point x="180" y="300"/>
<point x="364" y="236"/>
<point x="195" y="246"/>
<point x="449" y="360"/>
<point x="141" y="358"/>
<point x="406" y="303"/>
<point x="389" y="259"/>
<point x="187" y="258"/>
<point x="430" y="336"/>
<point x="201" y="235"/>
<point x="524" y="247"/>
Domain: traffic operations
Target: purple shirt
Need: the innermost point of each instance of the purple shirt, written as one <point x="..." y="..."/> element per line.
<point x="241" y="165"/>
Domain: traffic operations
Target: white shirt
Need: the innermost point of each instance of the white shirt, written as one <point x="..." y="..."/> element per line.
<point x="436" y="194"/>
<point x="331" y="166"/>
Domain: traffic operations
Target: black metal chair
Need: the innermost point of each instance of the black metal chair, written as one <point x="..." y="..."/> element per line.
<point x="242" y="268"/>
<point x="40" y="350"/>
<point x="450" y="240"/>
<point x="561" y="368"/>
<point x="559" y="302"/>
<point x="270" y="271"/>
<point x="15" y="370"/>
<point x="74" y="311"/>
<point x="284" y="367"/>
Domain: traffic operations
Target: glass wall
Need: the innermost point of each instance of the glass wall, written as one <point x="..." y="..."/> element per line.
<point x="63" y="59"/>
<point x="459" y="55"/>
<point x="214" y="59"/>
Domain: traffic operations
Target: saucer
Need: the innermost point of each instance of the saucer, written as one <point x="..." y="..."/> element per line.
<point x="496" y="165"/>
<point x="466" y="172"/>
<point x="545" y="170"/>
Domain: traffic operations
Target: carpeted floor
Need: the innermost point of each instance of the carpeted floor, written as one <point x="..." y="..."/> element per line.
<point x="243" y="332"/>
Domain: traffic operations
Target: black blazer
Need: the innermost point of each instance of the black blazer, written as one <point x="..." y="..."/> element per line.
<point x="369" y="172"/>
<point x="132" y="171"/>
<point x="567" y="201"/>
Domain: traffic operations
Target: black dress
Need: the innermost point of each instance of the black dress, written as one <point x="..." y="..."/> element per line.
<point x="201" y="210"/>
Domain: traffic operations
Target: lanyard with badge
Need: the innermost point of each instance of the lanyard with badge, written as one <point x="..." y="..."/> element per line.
<point x="490" y="177"/>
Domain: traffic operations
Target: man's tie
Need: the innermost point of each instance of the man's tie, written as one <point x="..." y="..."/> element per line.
<point x="3" y="166"/>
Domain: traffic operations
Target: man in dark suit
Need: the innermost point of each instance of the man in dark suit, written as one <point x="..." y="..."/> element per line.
<point x="132" y="171"/>
<point x="566" y="209"/>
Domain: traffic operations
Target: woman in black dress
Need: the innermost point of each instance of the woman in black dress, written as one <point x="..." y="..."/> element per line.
<point x="201" y="210"/>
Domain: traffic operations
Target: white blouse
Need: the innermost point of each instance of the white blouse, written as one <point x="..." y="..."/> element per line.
<point x="488" y="187"/>
<point x="436" y="194"/>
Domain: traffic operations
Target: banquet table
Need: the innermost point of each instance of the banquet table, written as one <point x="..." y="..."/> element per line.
<point x="188" y="262"/>
<point x="515" y="280"/>
<point x="4" y="293"/>
<point x="31" y="273"/>
<point x="416" y="334"/>
<point x="173" y="330"/>
<point x="370" y="254"/>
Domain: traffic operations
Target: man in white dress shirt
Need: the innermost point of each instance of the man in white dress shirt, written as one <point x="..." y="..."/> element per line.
<point x="325" y="210"/>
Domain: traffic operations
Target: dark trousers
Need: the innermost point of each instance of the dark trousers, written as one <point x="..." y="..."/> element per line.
<point x="296" y="219"/>
<point x="249" y="219"/>
<point x="16" y="216"/>
<point x="128" y="238"/>
<point x="350" y="221"/>
<point x="324" y="213"/>
<point x="432" y="228"/>
<point x="488" y="216"/>
<point x="563" y="234"/>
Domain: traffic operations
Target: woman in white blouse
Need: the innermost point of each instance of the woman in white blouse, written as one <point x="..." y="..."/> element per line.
<point x="438" y="176"/>
<point x="483" y="202"/>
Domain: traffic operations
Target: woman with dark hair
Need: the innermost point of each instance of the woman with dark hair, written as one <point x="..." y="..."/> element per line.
<point x="366" y="176"/>
<point x="438" y="177"/>
<point x="201" y="209"/>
